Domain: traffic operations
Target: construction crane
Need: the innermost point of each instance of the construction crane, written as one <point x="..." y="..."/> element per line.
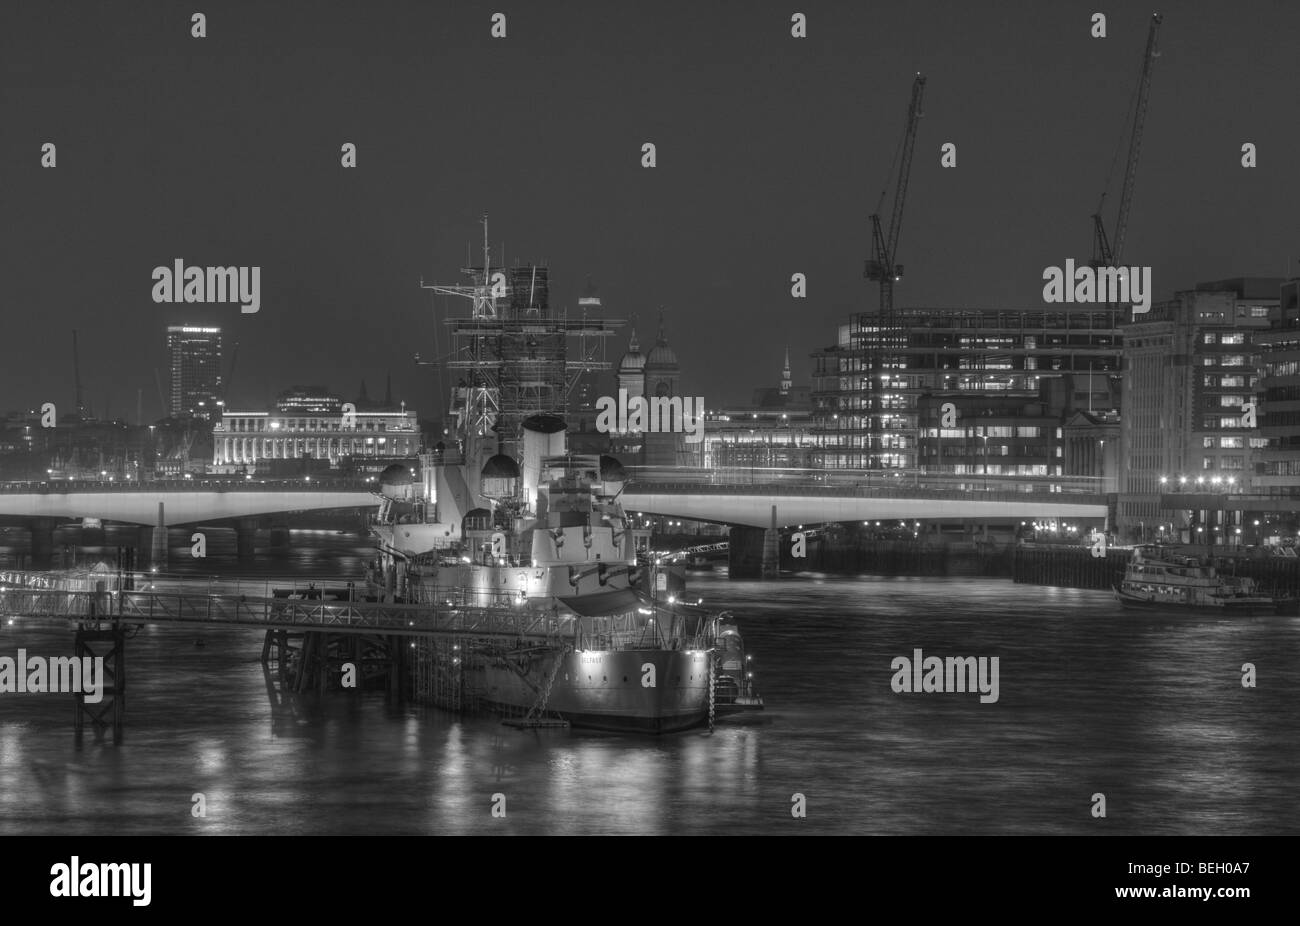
<point x="1104" y="255"/>
<point x="79" y="396"/>
<point x="881" y="267"/>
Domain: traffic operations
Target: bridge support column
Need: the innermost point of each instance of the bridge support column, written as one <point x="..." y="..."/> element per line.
<point x="42" y="531"/>
<point x="246" y="538"/>
<point x="280" y="538"/>
<point x="746" y="547"/>
<point x="771" y="566"/>
<point x="154" y="539"/>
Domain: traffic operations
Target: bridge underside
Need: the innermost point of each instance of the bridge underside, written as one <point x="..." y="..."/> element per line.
<point x="755" y="510"/>
<point x="178" y="507"/>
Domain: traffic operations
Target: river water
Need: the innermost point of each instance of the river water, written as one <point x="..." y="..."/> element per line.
<point x="1148" y="711"/>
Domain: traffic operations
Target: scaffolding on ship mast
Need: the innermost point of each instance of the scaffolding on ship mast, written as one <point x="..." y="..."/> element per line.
<point x="515" y="356"/>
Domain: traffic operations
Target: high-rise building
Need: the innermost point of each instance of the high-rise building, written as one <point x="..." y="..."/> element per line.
<point x="1278" y="465"/>
<point x="196" y="385"/>
<point x="1190" y="379"/>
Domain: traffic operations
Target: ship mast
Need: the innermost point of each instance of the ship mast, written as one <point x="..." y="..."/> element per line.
<point x="512" y="352"/>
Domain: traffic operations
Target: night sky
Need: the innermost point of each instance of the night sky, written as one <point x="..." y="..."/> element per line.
<point x="772" y="152"/>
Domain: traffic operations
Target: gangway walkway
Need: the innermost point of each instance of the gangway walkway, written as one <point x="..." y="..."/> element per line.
<point x="196" y="604"/>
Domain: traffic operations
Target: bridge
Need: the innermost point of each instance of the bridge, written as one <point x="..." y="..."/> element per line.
<point x="748" y="499"/>
<point x="744" y="497"/>
<point x="157" y="506"/>
<point x="758" y="503"/>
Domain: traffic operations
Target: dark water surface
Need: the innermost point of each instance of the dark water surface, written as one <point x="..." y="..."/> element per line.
<point x="1149" y="711"/>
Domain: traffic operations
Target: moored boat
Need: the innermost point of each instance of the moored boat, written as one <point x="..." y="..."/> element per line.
<point x="1156" y="579"/>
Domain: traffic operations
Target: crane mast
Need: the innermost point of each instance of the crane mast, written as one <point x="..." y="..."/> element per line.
<point x="78" y="395"/>
<point x="881" y="267"/>
<point x="1104" y="254"/>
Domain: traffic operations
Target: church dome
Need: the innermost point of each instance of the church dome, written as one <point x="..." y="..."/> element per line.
<point x="633" y="361"/>
<point x="661" y="355"/>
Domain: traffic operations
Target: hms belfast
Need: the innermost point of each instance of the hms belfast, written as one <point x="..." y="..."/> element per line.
<point x="505" y="520"/>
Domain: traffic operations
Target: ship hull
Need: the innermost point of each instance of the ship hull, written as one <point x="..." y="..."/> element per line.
<point x="1245" y="608"/>
<point x="644" y="691"/>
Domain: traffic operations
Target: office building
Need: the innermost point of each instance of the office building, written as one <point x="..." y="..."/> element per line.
<point x="194" y="355"/>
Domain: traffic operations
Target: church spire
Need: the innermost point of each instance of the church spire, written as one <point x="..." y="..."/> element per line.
<point x="663" y="338"/>
<point x="786" y="380"/>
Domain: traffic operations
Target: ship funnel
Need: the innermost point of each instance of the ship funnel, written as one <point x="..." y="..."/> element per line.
<point x="543" y="437"/>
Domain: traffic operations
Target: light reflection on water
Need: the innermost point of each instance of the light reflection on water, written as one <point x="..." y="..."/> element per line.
<point x="1147" y="710"/>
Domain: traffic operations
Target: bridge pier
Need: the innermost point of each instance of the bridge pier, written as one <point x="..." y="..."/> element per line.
<point x="771" y="567"/>
<point x="42" y="531"/>
<point x="280" y="538"/>
<point x="754" y="552"/>
<point x="149" y="552"/>
<point x="246" y="538"/>
<point x="154" y="539"/>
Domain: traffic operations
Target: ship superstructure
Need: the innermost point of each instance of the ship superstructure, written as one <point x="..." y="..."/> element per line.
<point x="504" y="516"/>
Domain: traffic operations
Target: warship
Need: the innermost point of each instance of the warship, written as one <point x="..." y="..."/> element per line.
<point x="502" y="515"/>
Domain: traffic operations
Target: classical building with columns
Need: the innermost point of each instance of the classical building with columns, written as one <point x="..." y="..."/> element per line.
<point x="245" y="438"/>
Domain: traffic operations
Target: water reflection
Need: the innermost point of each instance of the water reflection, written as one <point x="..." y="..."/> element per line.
<point x="1149" y="710"/>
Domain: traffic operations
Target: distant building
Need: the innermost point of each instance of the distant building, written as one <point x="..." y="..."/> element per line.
<point x="987" y="363"/>
<point x="196" y="384"/>
<point x="630" y="375"/>
<point x="663" y="378"/>
<point x="775" y="430"/>
<point x="1278" y="462"/>
<point x="1092" y="445"/>
<point x="1190" y="376"/>
<point x="249" y="438"/>
<point x="785" y="394"/>
<point x="309" y="400"/>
